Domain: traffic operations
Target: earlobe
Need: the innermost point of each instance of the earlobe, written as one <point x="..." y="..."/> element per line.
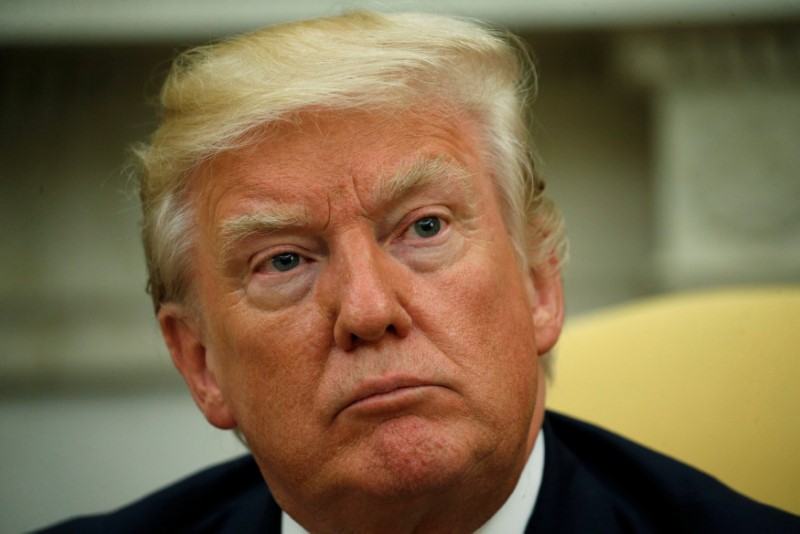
<point x="547" y="306"/>
<point x="189" y="354"/>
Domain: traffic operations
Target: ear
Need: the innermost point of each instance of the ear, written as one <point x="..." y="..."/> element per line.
<point x="188" y="351"/>
<point x="547" y="303"/>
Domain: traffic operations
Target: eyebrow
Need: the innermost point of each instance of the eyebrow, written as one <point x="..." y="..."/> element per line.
<point x="269" y="219"/>
<point x="419" y="173"/>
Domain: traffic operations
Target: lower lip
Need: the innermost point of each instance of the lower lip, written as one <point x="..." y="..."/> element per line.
<point x="397" y="400"/>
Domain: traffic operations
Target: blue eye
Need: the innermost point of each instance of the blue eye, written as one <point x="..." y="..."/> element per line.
<point x="285" y="262"/>
<point x="428" y="226"/>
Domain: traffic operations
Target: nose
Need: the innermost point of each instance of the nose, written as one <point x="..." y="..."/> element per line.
<point x="372" y="293"/>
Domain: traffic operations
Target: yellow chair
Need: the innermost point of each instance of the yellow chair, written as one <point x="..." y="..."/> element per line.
<point x="710" y="378"/>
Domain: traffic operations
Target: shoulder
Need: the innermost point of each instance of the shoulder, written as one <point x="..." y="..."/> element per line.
<point x="230" y="497"/>
<point x="614" y="484"/>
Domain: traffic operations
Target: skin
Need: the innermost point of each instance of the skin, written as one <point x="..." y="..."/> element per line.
<point x="389" y="379"/>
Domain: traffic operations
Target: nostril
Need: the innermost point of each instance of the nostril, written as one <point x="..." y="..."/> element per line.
<point x="357" y="339"/>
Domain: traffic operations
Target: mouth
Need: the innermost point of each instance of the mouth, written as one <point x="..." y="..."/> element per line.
<point x="385" y="395"/>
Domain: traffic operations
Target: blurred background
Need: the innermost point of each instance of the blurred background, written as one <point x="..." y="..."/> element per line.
<point x="669" y="133"/>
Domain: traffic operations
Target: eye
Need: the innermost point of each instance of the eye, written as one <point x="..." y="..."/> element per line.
<point x="428" y="226"/>
<point x="285" y="262"/>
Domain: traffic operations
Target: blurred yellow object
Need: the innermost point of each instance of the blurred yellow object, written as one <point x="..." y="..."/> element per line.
<point x="710" y="378"/>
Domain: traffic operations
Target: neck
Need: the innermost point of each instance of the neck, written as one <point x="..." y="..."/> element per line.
<point x="463" y="507"/>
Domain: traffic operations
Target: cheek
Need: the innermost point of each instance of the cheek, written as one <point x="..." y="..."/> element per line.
<point x="481" y="321"/>
<point x="270" y="365"/>
<point x="481" y="315"/>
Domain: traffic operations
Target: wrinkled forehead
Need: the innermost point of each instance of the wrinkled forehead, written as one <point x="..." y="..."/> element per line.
<point x="321" y="146"/>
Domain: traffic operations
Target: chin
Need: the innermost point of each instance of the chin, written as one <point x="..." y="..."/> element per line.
<point x="411" y="456"/>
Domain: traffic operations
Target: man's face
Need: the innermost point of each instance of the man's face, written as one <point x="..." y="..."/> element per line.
<point x="365" y="321"/>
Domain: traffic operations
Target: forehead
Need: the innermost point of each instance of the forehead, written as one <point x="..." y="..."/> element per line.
<point x="326" y="153"/>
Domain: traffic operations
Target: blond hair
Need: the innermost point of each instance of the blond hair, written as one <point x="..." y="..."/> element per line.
<point x="216" y="94"/>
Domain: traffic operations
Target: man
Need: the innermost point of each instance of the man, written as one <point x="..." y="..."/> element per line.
<point x="354" y="265"/>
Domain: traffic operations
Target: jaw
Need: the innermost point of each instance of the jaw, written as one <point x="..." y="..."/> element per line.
<point x="414" y="484"/>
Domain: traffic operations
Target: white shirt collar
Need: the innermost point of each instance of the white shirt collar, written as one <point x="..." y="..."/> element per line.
<point x="511" y="518"/>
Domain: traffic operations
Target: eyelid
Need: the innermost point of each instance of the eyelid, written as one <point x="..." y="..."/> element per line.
<point x="264" y="258"/>
<point x="440" y="212"/>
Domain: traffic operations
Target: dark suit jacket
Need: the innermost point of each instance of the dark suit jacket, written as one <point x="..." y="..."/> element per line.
<point x="593" y="481"/>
